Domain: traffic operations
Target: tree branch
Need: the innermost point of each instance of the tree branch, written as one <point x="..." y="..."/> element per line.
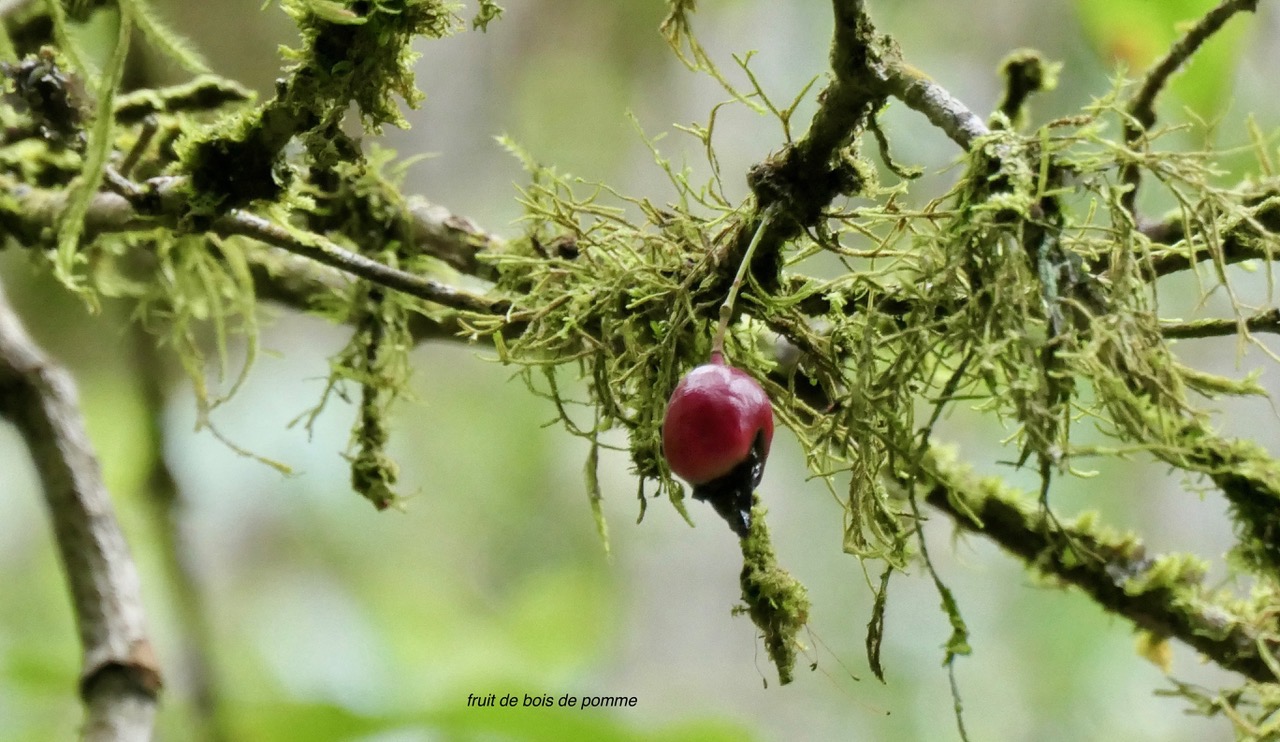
<point x="160" y="202"/>
<point x="943" y="110"/>
<point x="1164" y="595"/>
<point x="329" y="253"/>
<point x="1268" y="321"/>
<point x="167" y="504"/>
<point x="452" y="238"/>
<point x="120" y="678"/>
<point x="1251" y="238"/>
<point x="1142" y="106"/>
<point x="1142" y="113"/>
<point x="299" y="284"/>
<point x="808" y="174"/>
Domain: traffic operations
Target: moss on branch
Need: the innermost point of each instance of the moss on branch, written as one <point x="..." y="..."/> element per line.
<point x="1165" y="595"/>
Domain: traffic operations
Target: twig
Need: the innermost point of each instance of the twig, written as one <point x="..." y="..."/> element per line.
<point x="329" y="253"/>
<point x="160" y="203"/>
<point x="1142" y="113"/>
<point x="1248" y="240"/>
<point x="1268" y="321"/>
<point x="120" y="677"/>
<point x="297" y="283"/>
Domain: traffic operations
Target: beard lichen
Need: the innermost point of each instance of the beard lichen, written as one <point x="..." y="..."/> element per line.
<point x="1027" y="290"/>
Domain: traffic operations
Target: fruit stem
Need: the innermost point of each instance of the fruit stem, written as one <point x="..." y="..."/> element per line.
<point x="726" y="307"/>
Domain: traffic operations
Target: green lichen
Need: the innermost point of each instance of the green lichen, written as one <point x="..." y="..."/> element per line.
<point x="365" y="60"/>
<point x="776" y="602"/>
<point x="355" y="200"/>
<point x="360" y="56"/>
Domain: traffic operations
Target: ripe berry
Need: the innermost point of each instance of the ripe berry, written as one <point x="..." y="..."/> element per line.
<point x="716" y="436"/>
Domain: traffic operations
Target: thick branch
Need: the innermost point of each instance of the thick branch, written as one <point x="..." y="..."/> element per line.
<point x="120" y="677"/>
<point x="1160" y="596"/>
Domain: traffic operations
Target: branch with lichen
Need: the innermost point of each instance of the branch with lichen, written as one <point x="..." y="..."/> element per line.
<point x="1141" y="110"/>
<point x="160" y="203"/>
<point x="1165" y="595"/>
<point x="1267" y="321"/>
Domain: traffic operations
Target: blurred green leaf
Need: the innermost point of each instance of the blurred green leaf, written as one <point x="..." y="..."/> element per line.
<point x="1135" y="33"/>
<point x="321" y="722"/>
<point x="316" y="722"/>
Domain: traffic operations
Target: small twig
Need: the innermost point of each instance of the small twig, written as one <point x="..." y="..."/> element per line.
<point x="1025" y="74"/>
<point x="726" y="307"/>
<point x="146" y="133"/>
<point x="120" y="678"/>
<point x="1142" y="113"/>
<point x="317" y="248"/>
<point x="1268" y="321"/>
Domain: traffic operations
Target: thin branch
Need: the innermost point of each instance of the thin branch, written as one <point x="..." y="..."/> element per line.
<point x="1268" y="321"/>
<point x="301" y="284"/>
<point x="330" y="253"/>
<point x="160" y="203"/>
<point x="1142" y="113"/>
<point x="120" y="678"/>
<point x="943" y="110"/>
<point x="1253" y="238"/>
<point x="1142" y="106"/>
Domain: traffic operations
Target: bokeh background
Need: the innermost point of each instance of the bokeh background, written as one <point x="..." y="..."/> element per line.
<point x="324" y="620"/>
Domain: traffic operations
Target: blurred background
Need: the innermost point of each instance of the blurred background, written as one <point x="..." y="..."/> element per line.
<point x="320" y="619"/>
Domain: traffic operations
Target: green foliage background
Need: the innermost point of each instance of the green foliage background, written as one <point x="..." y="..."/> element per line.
<point x="333" y="622"/>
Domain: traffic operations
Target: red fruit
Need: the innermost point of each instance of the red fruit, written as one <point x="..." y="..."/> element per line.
<point x="716" y="436"/>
